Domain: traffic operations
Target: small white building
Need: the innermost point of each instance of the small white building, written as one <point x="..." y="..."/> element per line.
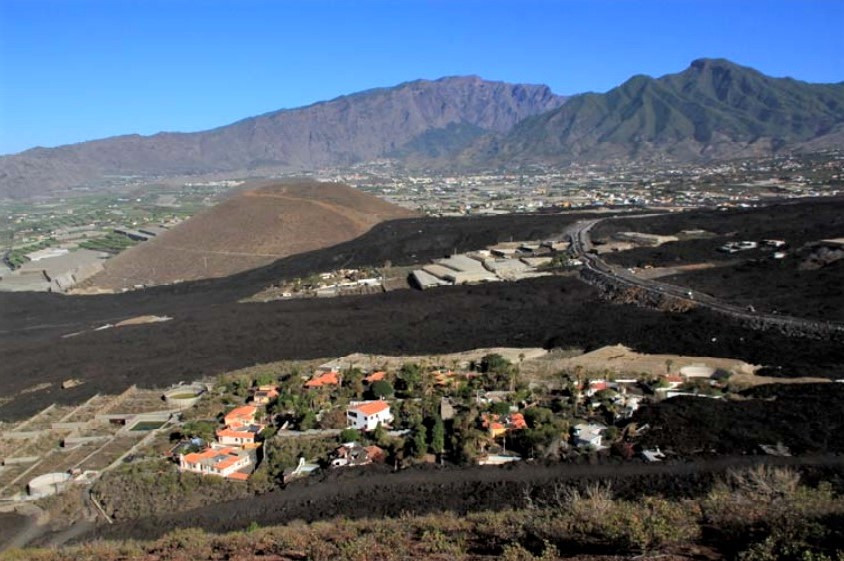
<point x="588" y="434"/>
<point x="366" y="415"/>
<point x="239" y="436"/>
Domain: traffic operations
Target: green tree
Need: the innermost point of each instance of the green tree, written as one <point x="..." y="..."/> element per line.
<point x="268" y="432"/>
<point x="409" y="377"/>
<point x="438" y="437"/>
<point x="353" y="380"/>
<point x="494" y="363"/>
<point x="420" y="440"/>
<point x="409" y="414"/>
<point x="538" y="416"/>
<point x="381" y="389"/>
<point x="307" y="421"/>
<point x="265" y="378"/>
<point x="349" y="435"/>
<point x="205" y="430"/>
<point x="500" y="408"/>
<point x="380" y="436"/>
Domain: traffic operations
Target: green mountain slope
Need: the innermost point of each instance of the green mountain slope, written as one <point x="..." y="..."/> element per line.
<point x="714" y="108"/>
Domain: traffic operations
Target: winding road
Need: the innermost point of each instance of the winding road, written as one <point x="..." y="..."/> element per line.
<point x="581" y="248"/>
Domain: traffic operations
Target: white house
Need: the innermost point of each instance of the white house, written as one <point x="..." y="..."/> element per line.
<point x="588" y="435"/>
<point x="366" y="415"/>
<point x="239" y="436"/>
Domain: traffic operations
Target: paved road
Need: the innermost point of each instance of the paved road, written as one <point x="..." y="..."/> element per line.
<point x="581" y="246"/>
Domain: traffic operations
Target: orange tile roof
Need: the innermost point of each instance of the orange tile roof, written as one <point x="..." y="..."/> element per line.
<point x="239" y="476"/>
<point x="371" y="407"/>
<point x="236" y="433"/>
<point x="230" y="461"/>
<point x="209" y="453"/>
<point x="517" y="421"/>
<point x="241" y="415"/>
<point x="324" y="379"/>
<point x="375" y="377"/>
<point x="195" y="457"/>
<point x="675" y="378"/>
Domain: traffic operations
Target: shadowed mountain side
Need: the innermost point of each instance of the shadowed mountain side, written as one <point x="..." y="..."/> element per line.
<point x="252" y="229"/>
<point x="345" y="130"/>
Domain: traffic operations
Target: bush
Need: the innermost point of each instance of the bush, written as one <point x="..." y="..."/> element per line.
<point x="349" y="435"/>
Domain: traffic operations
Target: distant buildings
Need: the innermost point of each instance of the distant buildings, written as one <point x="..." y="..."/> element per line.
<point x="503" y="262"/>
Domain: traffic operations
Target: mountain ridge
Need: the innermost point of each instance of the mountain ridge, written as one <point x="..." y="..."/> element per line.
<point x="342" y="131"/>
<point x="712" y="109"/>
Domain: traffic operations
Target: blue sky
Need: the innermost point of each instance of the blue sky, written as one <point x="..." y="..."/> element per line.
<point x="73" y="70"/>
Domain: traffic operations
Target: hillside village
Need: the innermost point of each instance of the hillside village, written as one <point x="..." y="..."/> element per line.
<point x="476" y="412"/>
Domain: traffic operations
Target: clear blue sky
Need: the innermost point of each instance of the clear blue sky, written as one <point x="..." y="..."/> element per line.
<point x="73" y="70"/>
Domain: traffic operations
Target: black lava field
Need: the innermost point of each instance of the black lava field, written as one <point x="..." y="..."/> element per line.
<point x="750" y="278"/>
<point x="212" y="333"/>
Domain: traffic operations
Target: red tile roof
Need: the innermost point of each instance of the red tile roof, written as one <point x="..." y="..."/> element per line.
<point x="517" y="421"/>
<point x="375" y="377"/>
<point x="369" y="408"/>
<point x="242" y="415"/>
<point x="236" y="433"/>
<point x="324" y="379"/>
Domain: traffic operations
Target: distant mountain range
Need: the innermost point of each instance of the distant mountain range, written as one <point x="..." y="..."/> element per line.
<point x="345" y="130"/>
<point x="713" y="109"/>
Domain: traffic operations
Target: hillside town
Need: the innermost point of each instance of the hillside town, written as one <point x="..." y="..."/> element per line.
<point x="475" y="412"/>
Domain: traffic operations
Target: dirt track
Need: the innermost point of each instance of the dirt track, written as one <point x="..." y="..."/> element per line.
<point x="212" y="333"/>
<point x="377" y="492"/>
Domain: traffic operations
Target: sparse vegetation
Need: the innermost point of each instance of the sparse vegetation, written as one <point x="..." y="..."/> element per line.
<point x="757" y="515"/>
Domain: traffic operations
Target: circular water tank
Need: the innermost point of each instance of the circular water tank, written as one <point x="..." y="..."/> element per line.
<point x="183" y="397"/>
<point x="48" y="484"/>
<point x="697" y="371"/>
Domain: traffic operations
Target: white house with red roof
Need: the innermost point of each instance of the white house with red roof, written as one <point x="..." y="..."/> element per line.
<point x="241" y="416"/>
<point x="226" y="461"/>
<point x="367" y="415"/>
<point x="246" y="435"/>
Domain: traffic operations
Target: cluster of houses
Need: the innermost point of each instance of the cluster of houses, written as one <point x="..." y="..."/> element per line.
<point x="598" y="402"/>
<point x="234" y="454"/>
